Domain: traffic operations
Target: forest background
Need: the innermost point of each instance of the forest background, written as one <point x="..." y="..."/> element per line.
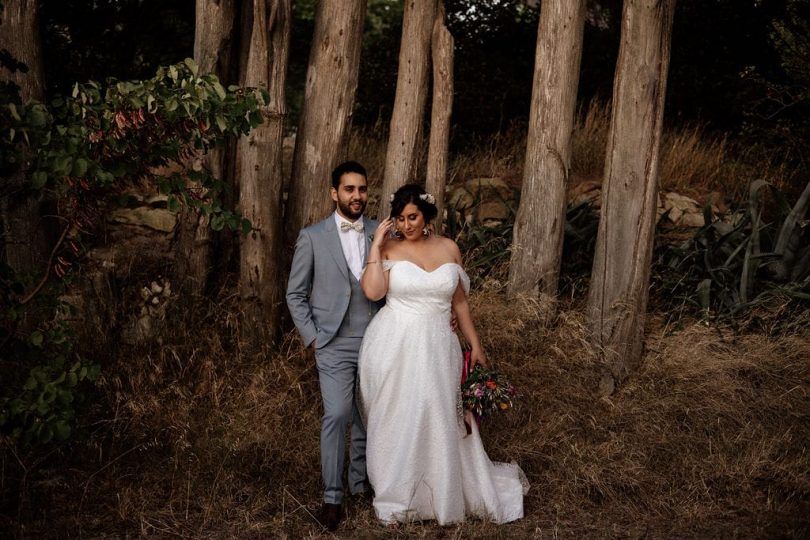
<point x="188" y="435"/>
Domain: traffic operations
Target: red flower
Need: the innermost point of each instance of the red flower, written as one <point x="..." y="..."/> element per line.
<point x="492" y="385"/>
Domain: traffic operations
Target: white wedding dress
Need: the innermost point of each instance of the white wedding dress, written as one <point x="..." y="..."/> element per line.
<point x="421" y="462"/>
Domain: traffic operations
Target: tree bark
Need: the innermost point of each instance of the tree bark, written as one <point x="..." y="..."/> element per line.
<point x="213" y="50"/>
<point x="26" y="239"/>
<point x="540" y="222"/>
<point x="323" y="131"/>
<point x="266" y="31"/>
<point x="441" y="110"/>
<point x="618" y="293"/>
<point x="409" y="102"/>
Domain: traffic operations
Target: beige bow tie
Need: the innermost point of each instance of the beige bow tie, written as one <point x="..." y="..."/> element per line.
<point x="345" y="226"/>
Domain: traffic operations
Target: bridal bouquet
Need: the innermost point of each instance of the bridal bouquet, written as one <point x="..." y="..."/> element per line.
<point x="484" y="391"/>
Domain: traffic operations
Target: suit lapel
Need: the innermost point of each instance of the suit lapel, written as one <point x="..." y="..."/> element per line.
<point x="334" y="245"/>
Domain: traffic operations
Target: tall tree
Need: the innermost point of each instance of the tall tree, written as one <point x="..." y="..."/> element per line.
<point x="266" y="42"/>
<point x="214" y="36"/>
<point x="323" y="131"/>
<point x="25" y="234"/>
<point x="440" y="112"/>
<point x="620" y="278"/>
<point x="540" y="222"/>
<point x="409" y="103"/>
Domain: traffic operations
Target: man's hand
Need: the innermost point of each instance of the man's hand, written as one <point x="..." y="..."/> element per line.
<point x="309" y="353"/>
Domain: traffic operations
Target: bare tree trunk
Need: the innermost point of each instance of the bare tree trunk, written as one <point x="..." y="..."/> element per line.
<point x="323" y="132"/>
<point x="540" y="223"/>
<point x="213" y="44"/>
<point x="441" y="110"/>
<point x="266" y="31"/>
<point x="620" y="278"/>
<point x="409" y="103"/>
<point x="25" y="237"/>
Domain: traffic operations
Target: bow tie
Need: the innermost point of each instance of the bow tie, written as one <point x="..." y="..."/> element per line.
<point x="345" y="226"/>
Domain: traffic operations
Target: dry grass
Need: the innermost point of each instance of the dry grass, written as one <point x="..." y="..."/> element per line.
<point x="193" y="439"/>
<point x="692" y="161"/>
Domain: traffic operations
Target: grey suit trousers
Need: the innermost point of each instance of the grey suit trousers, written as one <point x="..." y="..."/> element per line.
<point x="337" y="373"/>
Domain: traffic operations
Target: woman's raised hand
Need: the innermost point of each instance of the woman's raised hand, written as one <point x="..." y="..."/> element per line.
<point x="381" y="234"/>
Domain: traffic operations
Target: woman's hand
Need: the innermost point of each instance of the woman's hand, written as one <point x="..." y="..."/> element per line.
<point x="381" y="234"/>
<point x="477" y="356"/>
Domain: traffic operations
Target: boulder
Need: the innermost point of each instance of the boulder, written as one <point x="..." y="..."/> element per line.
<point x="159" y="219"/>
<point x="487" y="201"/>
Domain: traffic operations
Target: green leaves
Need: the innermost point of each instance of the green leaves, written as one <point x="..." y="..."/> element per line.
<point x="724" y="269"/>
<point x="88" y="147"/>
<point x="44" y="407"/>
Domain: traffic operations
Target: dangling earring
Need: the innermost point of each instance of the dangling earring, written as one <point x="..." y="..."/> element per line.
<point x="425" y="231"/>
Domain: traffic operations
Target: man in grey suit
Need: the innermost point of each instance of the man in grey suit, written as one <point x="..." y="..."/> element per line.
<point x="331" y="313"/>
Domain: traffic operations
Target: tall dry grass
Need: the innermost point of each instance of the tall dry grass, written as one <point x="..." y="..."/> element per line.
<point x="693" y="161"/>
<point x="191" y="438"/>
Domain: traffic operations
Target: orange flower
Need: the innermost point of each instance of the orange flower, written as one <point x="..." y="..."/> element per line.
<point x="504" y="406"/>
<point x="491" y="384"/>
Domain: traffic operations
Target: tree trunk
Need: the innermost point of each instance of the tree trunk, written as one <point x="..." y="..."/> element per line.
<point x="540" y="223"/>
<point x="409" y="103"/>
<point x="618" y="293"/>
<point x="323" y="131"/>
<point x="266" y="32"/>
<point x="213" y="47"/>
<point x="25" y="240"/>
<point x="441" y="110"/>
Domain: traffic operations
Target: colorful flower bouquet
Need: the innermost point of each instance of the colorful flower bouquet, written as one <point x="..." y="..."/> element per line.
<point x="485" y="391"/>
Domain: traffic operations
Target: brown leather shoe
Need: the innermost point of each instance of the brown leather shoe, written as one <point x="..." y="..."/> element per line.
<point x="330" y="517"/>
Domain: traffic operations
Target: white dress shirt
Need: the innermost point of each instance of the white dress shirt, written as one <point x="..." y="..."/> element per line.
<point x="353" y="244"/>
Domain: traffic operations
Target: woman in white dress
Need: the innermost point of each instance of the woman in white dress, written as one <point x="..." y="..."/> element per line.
<point x="421" y="462"/>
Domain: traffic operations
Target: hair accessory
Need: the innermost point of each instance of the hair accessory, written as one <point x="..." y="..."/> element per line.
<point x="427" y="197"/>
<point x="391" y="198"/>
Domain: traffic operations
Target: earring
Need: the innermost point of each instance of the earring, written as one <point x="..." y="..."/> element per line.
<point x="425" y="231"/>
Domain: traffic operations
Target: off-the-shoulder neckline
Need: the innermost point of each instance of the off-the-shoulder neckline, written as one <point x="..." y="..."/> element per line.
<point x="419" y="267"/>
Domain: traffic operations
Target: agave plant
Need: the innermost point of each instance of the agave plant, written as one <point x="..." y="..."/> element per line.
<point x="734" y="264"/>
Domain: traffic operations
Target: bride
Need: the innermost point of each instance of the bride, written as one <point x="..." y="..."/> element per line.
<point x="421" y="462"/>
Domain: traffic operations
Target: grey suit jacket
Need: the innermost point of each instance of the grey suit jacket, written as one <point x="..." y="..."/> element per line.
<point x="319" y="288"/>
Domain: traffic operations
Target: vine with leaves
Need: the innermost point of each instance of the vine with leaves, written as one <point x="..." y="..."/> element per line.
<point x="84" y="152"/>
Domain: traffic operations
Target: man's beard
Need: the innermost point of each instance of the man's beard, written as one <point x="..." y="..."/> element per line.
<point x="347" y="211"/>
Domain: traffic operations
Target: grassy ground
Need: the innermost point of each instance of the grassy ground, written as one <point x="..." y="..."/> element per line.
<point x="192" y="438"/>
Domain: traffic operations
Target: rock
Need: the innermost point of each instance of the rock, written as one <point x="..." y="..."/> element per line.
<point x="484" y="200"/>
<point x="159" y="219"/>
<point x="681" y="202"/>
<point x="675" y="214"/>
<point x="155" y="288"/>
<point x="717" y="202"/>
<point x="587" y="191"/>
<point x="692" y="219"/>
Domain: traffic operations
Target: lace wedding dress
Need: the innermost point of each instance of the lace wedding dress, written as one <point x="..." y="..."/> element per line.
<point x="421" y="462"/>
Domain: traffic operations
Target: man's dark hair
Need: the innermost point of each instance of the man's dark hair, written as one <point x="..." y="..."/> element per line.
<point x="347" y="167"/>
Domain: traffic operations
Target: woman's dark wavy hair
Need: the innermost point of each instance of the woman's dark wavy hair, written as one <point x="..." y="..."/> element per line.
<point x="409" y="193"/>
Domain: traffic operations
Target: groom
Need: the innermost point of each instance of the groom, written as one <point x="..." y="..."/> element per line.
<point x="331" y="313"/>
